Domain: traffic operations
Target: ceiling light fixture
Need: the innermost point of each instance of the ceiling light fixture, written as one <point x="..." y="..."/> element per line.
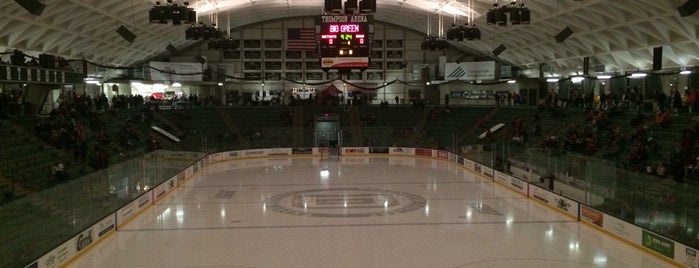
<point x="519" y="14"/>
<point x="173" y="12"/>
<point x="638" y="75"/>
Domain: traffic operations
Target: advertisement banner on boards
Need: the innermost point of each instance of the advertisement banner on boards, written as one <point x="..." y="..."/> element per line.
<point x="278" y="151"/>
<point x="591" y="215"/>
<point x="378" y="150"/>
<point x="487" y="171"/>
<point x="354" y="150"/>
<point x="469" y="164"/>
<point x="658" y="243"/>
<point x="423" y="152"/>
<point x="401" y="151"/>
<point x="561" y="203"/>
<point x="502" y="177"/>
<point x="165" y="187"/>
<point x="302" y="151"/>
<point x="686" y="255"/>
<point x="57" y="257"/>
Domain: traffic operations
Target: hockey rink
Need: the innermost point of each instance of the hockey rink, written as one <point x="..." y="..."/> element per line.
<point x="354" y="212"/>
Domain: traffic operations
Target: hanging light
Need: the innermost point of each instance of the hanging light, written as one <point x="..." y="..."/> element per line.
<point x="638" y="75"/>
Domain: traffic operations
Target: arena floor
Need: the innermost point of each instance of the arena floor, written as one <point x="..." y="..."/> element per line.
<point x="362" y="212"/>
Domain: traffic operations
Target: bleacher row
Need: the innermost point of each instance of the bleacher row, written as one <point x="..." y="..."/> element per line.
<point x="27" y="160"/>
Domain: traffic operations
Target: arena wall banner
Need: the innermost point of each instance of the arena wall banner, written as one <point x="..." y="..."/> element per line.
<point x="469" y="71"/>
<point x="175" y="71"/>
<point x="565" y="205"/>
<point x="443" y="154"/>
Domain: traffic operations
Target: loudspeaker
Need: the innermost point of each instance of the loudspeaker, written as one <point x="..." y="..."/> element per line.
<point x="126" y="34"/>
<point x="657" y="58"/>
<point x="688" y="8"/>
<point x="33" y="6"/>
<point x="499" y="50"/>
<point x="563" y="35"/>
<point x="173" y="50"/>
<point x="367" y="6"/>
<point x="200" y="59"/>
<point x="333" y="6"/>
<point x="350" y="6"/>
<point x="586" y="65"/>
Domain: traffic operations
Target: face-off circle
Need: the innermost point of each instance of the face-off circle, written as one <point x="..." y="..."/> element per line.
<point x="345" y="202"/>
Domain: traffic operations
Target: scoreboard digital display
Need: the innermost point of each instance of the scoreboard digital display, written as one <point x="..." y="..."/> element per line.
<point x="345" y="40"/>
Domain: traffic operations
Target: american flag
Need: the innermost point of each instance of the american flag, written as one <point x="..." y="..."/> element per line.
<point x="300" y="39"/>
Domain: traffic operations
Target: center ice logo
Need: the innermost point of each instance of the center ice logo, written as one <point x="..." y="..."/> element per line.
<point x="345" y="202"/>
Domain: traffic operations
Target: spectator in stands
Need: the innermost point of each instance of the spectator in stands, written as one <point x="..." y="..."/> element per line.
<point x="550" y="140"/>
<point x="4" y="101"/>
<point x="660" y="98"/>
<point x="692" y="100"/>
<point x="59" y="172"/>
<point x="154" y="144"/>
<point x="677" y="166"/>
<point x="661" y="170"/>
<point x="676" y="101"/>
<point x="638" y="119"/>
<point x="662" y="119"/>
<point x="639" y="156"/>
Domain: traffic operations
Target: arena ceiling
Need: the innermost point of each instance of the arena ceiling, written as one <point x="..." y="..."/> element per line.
<point x="619" y="34"/>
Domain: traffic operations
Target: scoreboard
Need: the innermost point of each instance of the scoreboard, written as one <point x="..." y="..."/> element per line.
<point x="345" y="40"/>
